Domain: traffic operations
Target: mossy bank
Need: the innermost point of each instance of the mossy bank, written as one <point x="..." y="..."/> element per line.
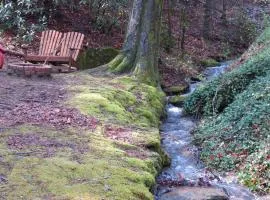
<point x="234" y="132"/>
<point x="118" y="159"/>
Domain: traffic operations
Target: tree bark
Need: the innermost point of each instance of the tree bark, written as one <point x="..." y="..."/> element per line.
<point x="208" y="7"/>
<point x="139" y="54"/>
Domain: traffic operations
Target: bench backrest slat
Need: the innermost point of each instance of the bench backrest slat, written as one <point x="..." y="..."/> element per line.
<point x="50" y="41"/>
<point x="49" y="50"/>
<point x="47" y="42"/>
<point x="78" y="45"/>
<point x="64" y="48"/>
<point x="72" y="40"/>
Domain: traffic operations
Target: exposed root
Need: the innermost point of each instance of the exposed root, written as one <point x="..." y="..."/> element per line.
<point x="115" y="62"/>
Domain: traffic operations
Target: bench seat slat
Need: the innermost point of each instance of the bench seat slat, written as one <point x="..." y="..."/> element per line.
<point x="33" y="58"/>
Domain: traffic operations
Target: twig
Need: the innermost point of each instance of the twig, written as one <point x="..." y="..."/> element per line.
<point x="34" y="100"/>
<point x="22" y="153"/>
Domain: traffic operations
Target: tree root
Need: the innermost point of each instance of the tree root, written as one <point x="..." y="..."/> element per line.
<point x="120" y="64"/>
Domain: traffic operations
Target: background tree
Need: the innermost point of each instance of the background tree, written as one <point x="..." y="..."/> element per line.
<point x="208" y="9"/>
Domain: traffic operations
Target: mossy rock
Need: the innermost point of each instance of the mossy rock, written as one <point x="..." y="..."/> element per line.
<point x="177" y="100"/>
<point x="176" y="90"/>
<point x="91" y="58"/>
<point x="210" y="62"/>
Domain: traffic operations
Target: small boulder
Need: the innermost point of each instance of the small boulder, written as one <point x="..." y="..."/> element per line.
<point x="210" y="62"/>
<point x="176" y="90"/>
<point x="91" y="57"/>
<point x="177" y="100"/>
<point x="195" y="193"/>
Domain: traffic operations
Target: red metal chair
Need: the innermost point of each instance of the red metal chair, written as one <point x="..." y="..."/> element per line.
<point x="2" y="58"/>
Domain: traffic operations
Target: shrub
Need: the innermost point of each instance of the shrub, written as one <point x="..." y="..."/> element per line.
<point x="235" y="137"/>
<point x="214" y="96"/>
<point x="14" y="14"/>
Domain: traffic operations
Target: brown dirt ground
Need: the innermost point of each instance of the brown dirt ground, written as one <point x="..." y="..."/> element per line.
<point x="37" y="100"/>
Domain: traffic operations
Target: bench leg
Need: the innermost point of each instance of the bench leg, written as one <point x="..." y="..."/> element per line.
<point x="70" y="64"/>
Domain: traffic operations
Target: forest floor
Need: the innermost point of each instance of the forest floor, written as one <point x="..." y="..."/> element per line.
<point x="76" y="136"/>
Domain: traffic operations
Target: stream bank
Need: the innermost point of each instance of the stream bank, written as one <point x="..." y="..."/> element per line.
<point x="187" y="178"/>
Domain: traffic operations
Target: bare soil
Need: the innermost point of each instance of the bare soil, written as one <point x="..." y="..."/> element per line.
<point x="38" y="101"/>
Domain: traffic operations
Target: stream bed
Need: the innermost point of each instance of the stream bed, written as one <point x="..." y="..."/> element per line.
<point x="187" y="178"/>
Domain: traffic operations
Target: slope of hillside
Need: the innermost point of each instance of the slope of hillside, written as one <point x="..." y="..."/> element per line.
<point x="234" y="133"/>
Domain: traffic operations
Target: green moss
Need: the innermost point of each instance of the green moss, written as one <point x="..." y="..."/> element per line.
<point x="177" y="100"/>
<point x="146" y="115"/>
<point x="123" y="99"/>
<point x="210" y="62"/>
<point x="102" y="105"/>
<point x="175" y="90"/>
<point x="102" y="171"/>
<point x="91" y="58"/>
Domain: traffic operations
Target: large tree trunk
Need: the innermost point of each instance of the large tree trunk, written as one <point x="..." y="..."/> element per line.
<point x="139" y="54"/>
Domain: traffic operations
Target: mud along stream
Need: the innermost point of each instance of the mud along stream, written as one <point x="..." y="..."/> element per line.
<point x="187" y="178"/>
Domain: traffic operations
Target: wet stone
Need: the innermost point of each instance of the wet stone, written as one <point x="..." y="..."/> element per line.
<point x="195" y="193"/>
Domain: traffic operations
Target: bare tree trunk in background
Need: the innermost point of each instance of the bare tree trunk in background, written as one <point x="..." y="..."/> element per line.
<point x="169" y="23"/>
<point x="139" y="54"/>
<point x="208" y="7"/>
<point x="224" y="12"/>
<point x="183" y="24"/>
<point x="224" y="19"/>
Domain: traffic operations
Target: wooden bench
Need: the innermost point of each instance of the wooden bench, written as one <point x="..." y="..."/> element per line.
<point x="57" y="48"/>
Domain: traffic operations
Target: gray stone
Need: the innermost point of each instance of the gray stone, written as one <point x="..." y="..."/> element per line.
<point x="177" y="89"/>
<point x="195" y="193"/>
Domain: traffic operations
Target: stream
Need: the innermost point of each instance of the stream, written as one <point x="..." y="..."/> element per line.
<point x="187" y="178"/>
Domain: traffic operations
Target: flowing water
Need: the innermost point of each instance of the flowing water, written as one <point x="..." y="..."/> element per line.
<point x="187" y="178"/>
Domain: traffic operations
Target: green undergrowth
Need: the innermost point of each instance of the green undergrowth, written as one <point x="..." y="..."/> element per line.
<point x="264" y="37"/>
<point x="238" y="139"/>
<point x="46" y="163"/>
<point x="214" y="96"/>
<point x="234" y="131"/>
<point x="122" y="100"/>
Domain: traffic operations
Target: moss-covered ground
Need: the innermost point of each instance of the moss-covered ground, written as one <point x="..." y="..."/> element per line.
<point x="117" y="159"/>
<point x="234" y="132"/>
<point x="120" y="100"/>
